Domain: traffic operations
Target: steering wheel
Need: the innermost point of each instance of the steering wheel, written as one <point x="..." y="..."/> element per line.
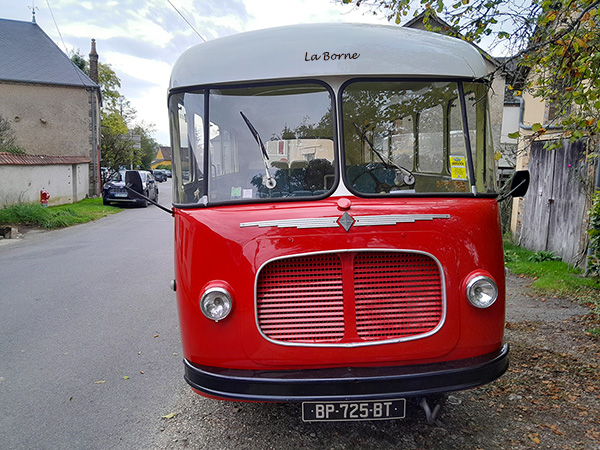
<point x="379" y="185"/>
<point x="407" y="180"/>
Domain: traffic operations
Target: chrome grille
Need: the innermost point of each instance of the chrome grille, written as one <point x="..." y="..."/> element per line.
<point x="300" y="299"/>
<point x="387" y="295"/>
<point x="397" y="295"/>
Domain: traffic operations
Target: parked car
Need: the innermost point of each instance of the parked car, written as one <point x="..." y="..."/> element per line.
<point x="168" y="172"/>
<point x="141" y="181"/>
<point x="159" y="175"/>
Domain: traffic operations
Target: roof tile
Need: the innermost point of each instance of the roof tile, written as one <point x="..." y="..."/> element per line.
<point x="8" y="159"/>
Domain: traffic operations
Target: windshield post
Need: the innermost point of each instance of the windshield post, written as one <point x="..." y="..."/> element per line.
<point x="463" y="109"/>
<point x="206" y="144"/>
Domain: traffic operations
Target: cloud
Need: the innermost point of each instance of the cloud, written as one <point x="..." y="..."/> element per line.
<point x="149" y="70"/>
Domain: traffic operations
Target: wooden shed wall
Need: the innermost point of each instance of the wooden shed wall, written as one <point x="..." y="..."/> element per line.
<point x="555" y="207"/>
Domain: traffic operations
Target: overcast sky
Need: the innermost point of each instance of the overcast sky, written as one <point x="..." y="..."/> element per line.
<point x="141" y="39"/>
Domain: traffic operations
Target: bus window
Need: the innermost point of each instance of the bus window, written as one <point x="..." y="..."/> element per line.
<point x="188" y="146"/>
<point x="476" y="100"/>
<point x="431" y="139"/>
<point x="403" y="137"/>
<point x="268" y="142"/>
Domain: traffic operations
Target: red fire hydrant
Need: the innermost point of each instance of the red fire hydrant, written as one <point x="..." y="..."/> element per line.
<point x="44" y="196"/>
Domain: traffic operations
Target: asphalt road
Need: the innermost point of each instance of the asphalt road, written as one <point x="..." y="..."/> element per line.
<point x="90" y="353"/>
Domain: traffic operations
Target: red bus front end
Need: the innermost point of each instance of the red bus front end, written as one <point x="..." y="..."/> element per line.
<point x="315" y="309"/>
<point x="337" y="231"/>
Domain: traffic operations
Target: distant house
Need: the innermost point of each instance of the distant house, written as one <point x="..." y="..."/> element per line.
<point x="52" y="106"/>
<point x="163" y="157"/>
<point x="23" y="177"/>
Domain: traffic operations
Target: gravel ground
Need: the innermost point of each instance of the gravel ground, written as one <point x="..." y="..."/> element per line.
<point x="548" y="399"/>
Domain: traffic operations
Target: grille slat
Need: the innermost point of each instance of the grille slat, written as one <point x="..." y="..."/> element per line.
<point x="396" y="295"/>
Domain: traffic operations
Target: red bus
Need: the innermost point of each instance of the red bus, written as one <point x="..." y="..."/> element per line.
<point x="337" y="231"/>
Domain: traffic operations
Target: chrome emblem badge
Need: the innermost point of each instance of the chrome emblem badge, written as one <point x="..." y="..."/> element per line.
<point x="346" y="221"/>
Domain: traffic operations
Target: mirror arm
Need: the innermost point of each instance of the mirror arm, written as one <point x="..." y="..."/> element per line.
<point x="170" y="211"/>
<point x="509" y="194"/>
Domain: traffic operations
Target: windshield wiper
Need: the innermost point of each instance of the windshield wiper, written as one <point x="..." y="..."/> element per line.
<point x="364" y="136"/>
<point x="408" y="177"/>
<point x="268" y="180"/>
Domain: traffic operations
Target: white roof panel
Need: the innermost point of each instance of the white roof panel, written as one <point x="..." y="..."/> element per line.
<point x="307" y="51"/>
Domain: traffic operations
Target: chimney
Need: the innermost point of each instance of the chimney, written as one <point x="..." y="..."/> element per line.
<point x="94" y="62"/>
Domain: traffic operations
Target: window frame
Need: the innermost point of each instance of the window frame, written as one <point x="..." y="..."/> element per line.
<point x="475" y="177"/>
<point x="206" y="91"/>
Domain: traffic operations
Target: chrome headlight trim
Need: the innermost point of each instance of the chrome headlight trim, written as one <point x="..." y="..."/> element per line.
<point x="216" y="303"/>
<point x="481" y="291"/>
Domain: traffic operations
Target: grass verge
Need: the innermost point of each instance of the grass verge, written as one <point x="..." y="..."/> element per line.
<point x="553" y="277"/>
<point x="55" y="216"/>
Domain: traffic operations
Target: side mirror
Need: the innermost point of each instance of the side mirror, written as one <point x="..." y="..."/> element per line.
<point x="518" y="185"/>
<point x="133" y="179"/>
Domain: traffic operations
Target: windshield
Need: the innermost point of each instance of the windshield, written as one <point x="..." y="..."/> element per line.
<point x="264" y="143"/>
<point x="403" y="137"/>
<point x="277" y="142"/>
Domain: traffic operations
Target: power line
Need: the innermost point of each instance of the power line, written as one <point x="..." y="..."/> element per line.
<point x="77" y="70"/>
<point x="186" y="21"/>
<point x="56" y="25"/>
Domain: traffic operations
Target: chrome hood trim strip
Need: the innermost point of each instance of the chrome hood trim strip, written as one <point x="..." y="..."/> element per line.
<point x="333" y="222"/>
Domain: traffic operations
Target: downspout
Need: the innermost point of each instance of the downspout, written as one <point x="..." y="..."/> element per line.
<point x="95" y="146"/>
<point x="530" y="127"/>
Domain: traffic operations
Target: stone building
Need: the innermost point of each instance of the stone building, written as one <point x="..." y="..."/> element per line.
<point x="52" y="106"/>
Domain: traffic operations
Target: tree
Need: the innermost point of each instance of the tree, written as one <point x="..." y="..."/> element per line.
<point x="8" y="140"/>
<point x="149" y="147"/>
<point x="557" y="40"/>
<point x="117" y="148"/>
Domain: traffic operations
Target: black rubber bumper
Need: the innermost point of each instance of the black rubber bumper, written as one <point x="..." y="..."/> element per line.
<point x="347" y="383"/>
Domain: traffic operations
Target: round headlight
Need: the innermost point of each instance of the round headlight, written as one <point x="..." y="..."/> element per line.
<point x="216" y="303"/>
<point x="482" y="291"/>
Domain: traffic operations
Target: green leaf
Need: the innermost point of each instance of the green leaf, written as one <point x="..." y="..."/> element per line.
<point x="536" y="127"/>
<point x="168" y="416"/>
<point x="514" y="135"/>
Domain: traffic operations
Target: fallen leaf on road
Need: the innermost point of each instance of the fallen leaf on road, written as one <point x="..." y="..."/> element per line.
<point x="126" y="378"/>
<point x="534" y="437"/>
<point x="100" y="382"/>
<point x="169" y="416"/>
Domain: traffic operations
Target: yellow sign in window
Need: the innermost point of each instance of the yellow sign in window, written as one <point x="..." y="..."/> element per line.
<point x="458" y="167"/>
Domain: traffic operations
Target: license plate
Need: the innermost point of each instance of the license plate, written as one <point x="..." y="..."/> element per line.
<point x="120" y="194"/>
<point x="349" y="411"/>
